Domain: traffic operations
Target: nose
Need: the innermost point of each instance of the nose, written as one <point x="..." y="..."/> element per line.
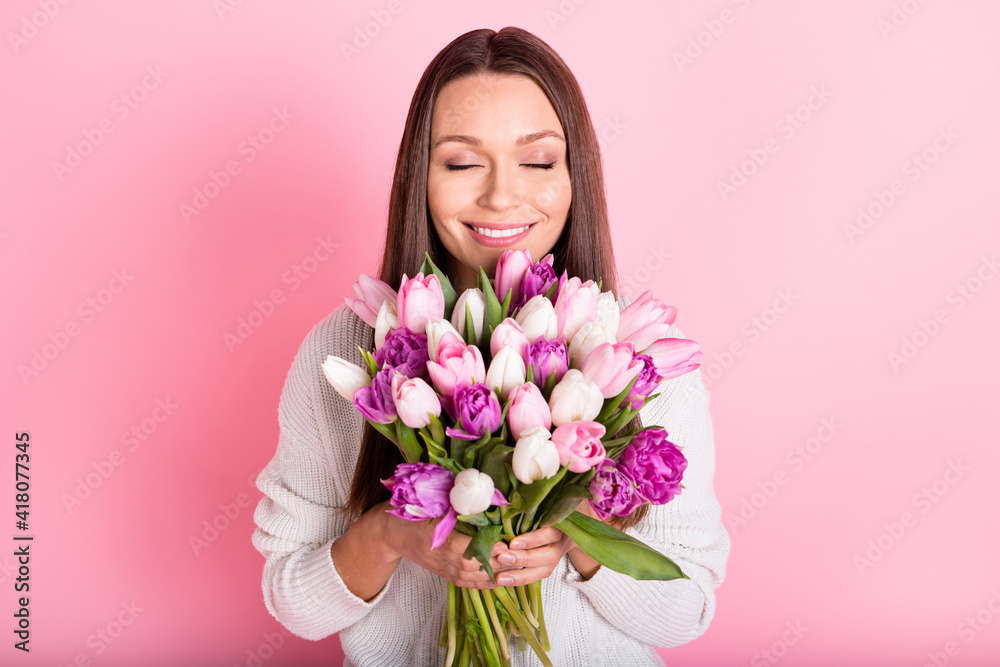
<point x="502" y="189"/>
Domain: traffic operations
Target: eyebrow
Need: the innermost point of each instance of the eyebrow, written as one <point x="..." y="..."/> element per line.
<point x="521" y="141"/>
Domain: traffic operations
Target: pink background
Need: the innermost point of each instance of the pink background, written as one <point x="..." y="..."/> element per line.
<point x="798" y="312"/>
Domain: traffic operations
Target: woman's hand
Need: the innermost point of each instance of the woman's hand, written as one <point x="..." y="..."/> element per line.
<point x="412" y="540"/>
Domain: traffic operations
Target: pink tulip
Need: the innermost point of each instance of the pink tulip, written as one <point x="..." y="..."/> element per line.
<point x="674" y="357"/>
<point x="369" y="294"/>
<point x="645" y="320"/>
<point x="419" y="301"/>
<point x="509" y="332"/>
<point x="456" y="364"/>
<point x="579" y="445"/>
<point x="415" y="401"/>
<point x="576" y="304"/>
<point x="527" y="410"/>
<point x="611" y="367"/>
<point x="511" y="268"/>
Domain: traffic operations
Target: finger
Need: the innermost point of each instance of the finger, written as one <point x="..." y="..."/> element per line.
<point x="536" y="538"/>
<point x="546" y="555"/>
<point x="524" y="576"/>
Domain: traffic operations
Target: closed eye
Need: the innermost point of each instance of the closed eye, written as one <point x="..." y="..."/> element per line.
<point x="462" y="167"/>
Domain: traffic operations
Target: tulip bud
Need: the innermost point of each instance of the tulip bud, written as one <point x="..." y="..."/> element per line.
<point x="435" y="330"/>
<point x="538" y="318"/>
<point x="476" y="301"/>
<point x="345" y="377"/>
<point x="509" y="332"/>
<point x="589" y="336"/>
<point x="385" y="320"/>
<point x="535" y="456"/>
<point x="575" y="398"/>
<point x="415" y="401"/>
<point x="472" y="493"/>
<point x="527" y="409"/>
<point x="506" y="371"/>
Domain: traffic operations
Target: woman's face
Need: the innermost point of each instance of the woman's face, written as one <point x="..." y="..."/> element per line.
<point x="498" y="176"/>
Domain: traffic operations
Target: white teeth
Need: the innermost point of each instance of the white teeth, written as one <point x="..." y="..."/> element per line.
<point x="498" y="233"/>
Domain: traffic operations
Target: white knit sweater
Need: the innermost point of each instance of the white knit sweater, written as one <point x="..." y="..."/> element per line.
<point x="610" y="619"/>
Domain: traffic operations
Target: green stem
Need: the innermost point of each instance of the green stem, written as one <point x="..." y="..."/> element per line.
<point x="543" y="634"/>
<point x="525" y="606"/>
<point x="495" y="620"/>
<point x="492" y="654"/>
<point x="452" y="611"/>
<point x="522" y="624"/>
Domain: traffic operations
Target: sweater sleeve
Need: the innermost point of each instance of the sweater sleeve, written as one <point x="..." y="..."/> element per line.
<point x="305" y="485"/>
<point x="688" y="530"/>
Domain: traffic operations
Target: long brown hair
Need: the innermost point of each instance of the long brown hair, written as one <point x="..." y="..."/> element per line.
<point x="584" y="249"/>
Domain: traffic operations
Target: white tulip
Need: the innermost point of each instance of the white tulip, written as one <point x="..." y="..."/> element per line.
<point x="345" y="377"/>
<point x="506" y="371"/>
<point x="385" y="320"/>
<point x="436" y="329"/>
<point x="589" y="336"/>
<point x="608" y="313"/>
<point x="535" y="456"/>
<point x="476" y="301"/>
<point x="538" y="318"/>
<point x="575" y="398"/>
<point x="472" y="493"/>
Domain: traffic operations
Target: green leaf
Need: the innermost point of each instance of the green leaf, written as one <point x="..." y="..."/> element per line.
<point x="564" y="505"/>
<point x="408" y="444"/>
<point x="475" y="519"/>
<point x="470" y="326"/>
<point x="618" y="551"/>
<point x="494" y="464"/>
<point x="620" y="421"/>
<point x="481" y="547"/>
<point x="505" y="306"/>
<point x="388" y="430"/>
<point x="446" y="288"/>
<point x="612" y="404"/>
<point x="494" y="312"/>
<point x="552" y="290"/>
<point x="369" y="361"/>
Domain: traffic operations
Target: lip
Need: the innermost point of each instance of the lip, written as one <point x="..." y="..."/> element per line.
<point x="491" y="242"/>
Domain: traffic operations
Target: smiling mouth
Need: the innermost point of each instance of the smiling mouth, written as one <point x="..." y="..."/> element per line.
<point x="499" y="233"/>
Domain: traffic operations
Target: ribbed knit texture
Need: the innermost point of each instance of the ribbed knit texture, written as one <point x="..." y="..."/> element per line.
<point x="610" y="619"/>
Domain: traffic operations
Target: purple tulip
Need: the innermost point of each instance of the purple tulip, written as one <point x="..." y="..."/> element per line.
<point x="422" y="491"/>
<point x="645" y="384"/>
<point x="406" y="352"/>
<point x="656" y="465"/>
<point x="375" y="402"/>
<point x="613" y="492"/>
<point x="538" y="280"/>
<point x="476" y="409"/>
<point x="547" y="357"/>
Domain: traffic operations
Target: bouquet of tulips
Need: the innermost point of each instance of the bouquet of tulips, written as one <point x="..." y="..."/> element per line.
<point x="511" y="404"/>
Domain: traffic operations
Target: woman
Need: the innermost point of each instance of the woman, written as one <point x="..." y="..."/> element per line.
<point x="498" y="152"/>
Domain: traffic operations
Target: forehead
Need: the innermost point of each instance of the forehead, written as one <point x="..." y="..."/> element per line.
<point x="493" y="108"/>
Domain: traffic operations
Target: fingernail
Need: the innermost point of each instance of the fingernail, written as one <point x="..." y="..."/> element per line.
<point x="507" y="559"/>
<point x="505" y="580"/>
<point x="517" y="544"/>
